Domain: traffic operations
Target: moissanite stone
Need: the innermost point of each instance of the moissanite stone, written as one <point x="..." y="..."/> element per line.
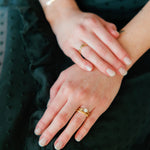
<point x="85" y="110"/>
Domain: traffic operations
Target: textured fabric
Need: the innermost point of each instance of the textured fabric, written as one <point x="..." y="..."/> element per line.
<point x="32" y="63"/>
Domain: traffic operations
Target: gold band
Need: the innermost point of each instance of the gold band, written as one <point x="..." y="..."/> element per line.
<point x="84" y="111"/>
<point x="83" y="45"/>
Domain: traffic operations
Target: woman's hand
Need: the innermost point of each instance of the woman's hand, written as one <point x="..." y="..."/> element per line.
<point x="76" y="88"/>
<point x="77" y="28"/>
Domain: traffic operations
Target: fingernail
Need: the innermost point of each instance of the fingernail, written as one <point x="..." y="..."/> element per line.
<point x="123" y="71"/>
<point x="58" y="146"/>
<point x="78" y="138"/>
<point x="127" y="61"/>
<point x="111" y="72"/>
<point x="89" y="68"/>
<point x="42" y="142"/>
<point x="37" y="131"/>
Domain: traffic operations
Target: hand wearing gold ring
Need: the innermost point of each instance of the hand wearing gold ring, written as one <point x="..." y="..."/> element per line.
<point x="81" y="101"/>
<point x="84" y="111"/>
<point x="77" y="29"/>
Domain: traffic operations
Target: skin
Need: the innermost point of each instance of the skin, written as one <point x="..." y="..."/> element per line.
<point x="93" y="90"/>
<point x="74" y="28"/>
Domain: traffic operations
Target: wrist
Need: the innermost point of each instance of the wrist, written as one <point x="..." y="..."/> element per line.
<point x="59" y="10"/>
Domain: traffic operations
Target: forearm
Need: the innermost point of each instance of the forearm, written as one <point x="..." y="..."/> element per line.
<point x="136" y="36"/>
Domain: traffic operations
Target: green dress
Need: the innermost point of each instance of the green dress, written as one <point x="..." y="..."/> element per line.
<point x="31" y="62"/>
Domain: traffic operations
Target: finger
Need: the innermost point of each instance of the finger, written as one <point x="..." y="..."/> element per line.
<point x="111" y="28"/>
<point x="56" y="86"/>
<point x="113" y="44"/>
<point x="81" y="62"/>
<point x="58" y="123"/>
<point x="101" y="65"/>
<point x="51" y="112"/>
<point x="89" y="122"/>
<point x="74" y="124"/>
<point x="105" y="53"/>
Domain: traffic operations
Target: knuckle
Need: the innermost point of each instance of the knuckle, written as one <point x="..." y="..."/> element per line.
<point x="91" y="121"/>
<point x="89" y="53"/>
<point x="109" y="39"/>
<point x="85" y="129"/>
<point x="91" y="20"/>
<point x="47" y="133"/>
<point x="66" y="136"/>
<point x="68" y="87"/>
<point x="98" y="62"/>
<point x="112" y="25"/>
<point x="105" y="53"/>
<point x="51" y="110"/>
<point x="81" y="92"/>
<point x="80" y="29"/>
<point x="78" y="121"/>
<point x="62" y="120"/>
<point x="41" y="124"/>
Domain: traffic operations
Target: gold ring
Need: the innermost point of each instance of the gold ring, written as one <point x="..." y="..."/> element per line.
<point x="83" y="45"/>
<point x="84" y="111"/>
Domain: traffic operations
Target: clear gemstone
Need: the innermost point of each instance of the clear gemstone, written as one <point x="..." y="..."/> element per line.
<point x="85" y="110"/>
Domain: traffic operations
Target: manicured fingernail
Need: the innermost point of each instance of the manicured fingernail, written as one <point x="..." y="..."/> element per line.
<point x="78" y="138"/>
<point x="127" y="61"/>
<point x="42" y="142"/>
<point x="123" y="71"/>
<point x="89" y="68"/>
<point x="111" y="72"/>
<point x="37" y="131"/>
<point x="58" y="146"/>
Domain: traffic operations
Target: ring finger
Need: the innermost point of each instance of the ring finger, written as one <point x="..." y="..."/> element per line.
<point x="74" y="124"/>
<point x="104" y="67"/>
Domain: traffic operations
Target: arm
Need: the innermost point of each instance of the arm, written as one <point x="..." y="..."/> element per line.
<point x="74" y="28"/>
<point x="58" y="10"/>
<point x="136" y="36"/>
<point x="136" y="40"/>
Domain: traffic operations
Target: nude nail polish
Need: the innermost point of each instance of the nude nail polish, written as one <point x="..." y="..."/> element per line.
<point x="37" y="131"/>
<point x="78" y="138"/>
<point x="123" y="71"/>
<point x="42" y="142"/>
<point x="111" y="72"/>
<point x="58" y="146"/>
<point x="127" y="61"/>
<point x="89" y="68"/>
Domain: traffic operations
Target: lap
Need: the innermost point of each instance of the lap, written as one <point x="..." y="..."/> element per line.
<point x="32" y="65"/>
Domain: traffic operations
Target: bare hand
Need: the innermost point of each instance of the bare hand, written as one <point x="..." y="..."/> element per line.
<point x="102" y="48"/>
<point x="76" y="88"/>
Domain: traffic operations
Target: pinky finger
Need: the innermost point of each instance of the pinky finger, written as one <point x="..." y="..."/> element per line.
<point x="112" y="30"/>
<point x="80" y="61"/>
<point x="84" y="129"/>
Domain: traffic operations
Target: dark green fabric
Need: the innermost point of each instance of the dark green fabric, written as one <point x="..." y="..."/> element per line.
<point x="32" y="63"/>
